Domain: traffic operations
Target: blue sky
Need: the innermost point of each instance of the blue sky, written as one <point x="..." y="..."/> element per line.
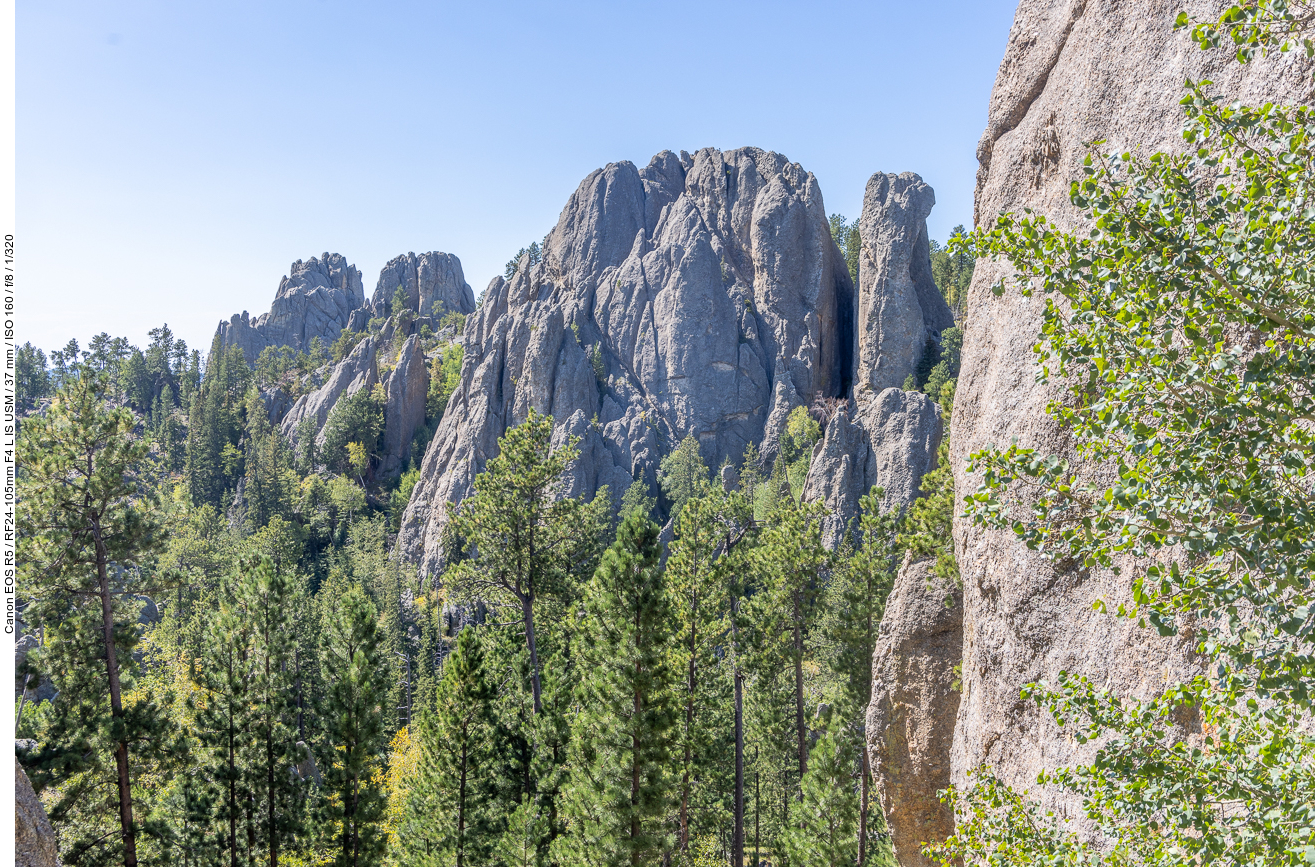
<point x="175" y="157"/>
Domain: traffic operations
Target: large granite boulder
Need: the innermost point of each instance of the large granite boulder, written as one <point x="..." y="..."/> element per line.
<point x="315" y="299"/>
<point x="910" y="721"/>
<point x="35" y="844"/>
<point x="433" y="282"/>
<point x="700" y="295"/>
<point x="1074" y="71"/>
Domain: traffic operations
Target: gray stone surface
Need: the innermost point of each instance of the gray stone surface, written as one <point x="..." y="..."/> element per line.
<point x="899" y="307"/>
<point x="712" y="296"/>
<point x="1073" y="72"/>
<point x="910" y="720"/>
<point x="358" y="370"/>
<point x="35" y="844"/>
<point x="405" y="390"/>
<point x="315" y="299"/>
<point x="888" y="440"/>
<point x="434" y="284"/>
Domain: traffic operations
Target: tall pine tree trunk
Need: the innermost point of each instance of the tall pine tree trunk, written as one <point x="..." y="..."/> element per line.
<point x="232" y="780"/>
<point x="269" y="768"/>
<point x="251" y="828"/>
<point x="461" y="804"/>
<point x="691" y="683"/>
<point x="634" y="774"/>
<point x="116" y="700"/>
<point x="737" y="839"/>
<point x="349" y="816"/>
<point x="757" y="810"/>
<point x="800" y="729"/>
<point x="527" y="613"/>
<point x="863" y="806"/>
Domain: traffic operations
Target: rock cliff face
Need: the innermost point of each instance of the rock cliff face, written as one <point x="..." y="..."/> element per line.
<point x="355" y="372"/>
<point x="433" y="282"/>
<point x="34" y="838"/>
<point x="888" y="440"/>
<point x="405" y="390"/>
<point x="316" y="299"/>
<point x="700" y="295"/>
<point x="1074" y="71"/>
<point x="899" y="306"/>
<point x="910" y="721"/>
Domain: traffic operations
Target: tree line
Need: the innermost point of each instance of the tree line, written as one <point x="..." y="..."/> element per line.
<point x="245" y="673"/>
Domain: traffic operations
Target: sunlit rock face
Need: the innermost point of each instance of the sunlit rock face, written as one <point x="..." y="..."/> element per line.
<point x="701" y="295"/>
<point x="433" y="284"/>
<point x="315" y="299"/>
<point x="1074" y="71"/>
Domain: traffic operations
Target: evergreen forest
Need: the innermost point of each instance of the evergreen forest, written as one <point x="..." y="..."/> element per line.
<point x="225" y="662"/>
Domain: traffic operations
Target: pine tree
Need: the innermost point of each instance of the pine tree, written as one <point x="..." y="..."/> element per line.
<point x="522" y="537"/>
<point x="223" y="720"/>
<point x="86" y="522"/>
<point x="682" y="474"/>
<point x="215" y="423"/>
<point x="354" y="722"/>
<point x="527" y="827"/>
<point x="791" y="559"/>
<point x="31" y="379"/>
<point x="826" y="834"/>
<point x="447" y="820"/>
<point x="695" y="581"/>
<point x="267" y="597"/>
<point x="269" y="480"/>
<point x="856" y="599"/>
<point x="619" y="790"/>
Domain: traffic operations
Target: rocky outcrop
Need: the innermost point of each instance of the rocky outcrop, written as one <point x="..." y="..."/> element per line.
<point x="700" y="295"/>
<point x="899" y="307"/>
<point x="406" y="389"/>
<point x="433" y="282"/>
<point x="888" y="440"/>
<point x="34" y="838"/>
<point x="910" y="721"/>
<point x="885" y="436"/>
<point x="358" y="370"/>
<point x="315" y="299"/>
<point x="1074" y="71"/>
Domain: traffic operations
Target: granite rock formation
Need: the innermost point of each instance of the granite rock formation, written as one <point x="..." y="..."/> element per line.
<point x="910" y="721"/>
<point x="406" y="388"/>
<point x="1074" y="71"/>
<point x="358" y="370"/>
<point x="890" y="440"/>
<point x="35" y="844"/>
<point x="433" y="282"/>
<point x="315" y="299"/>
<point x="700" y="295"/>
<point x="899" y="307"/>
